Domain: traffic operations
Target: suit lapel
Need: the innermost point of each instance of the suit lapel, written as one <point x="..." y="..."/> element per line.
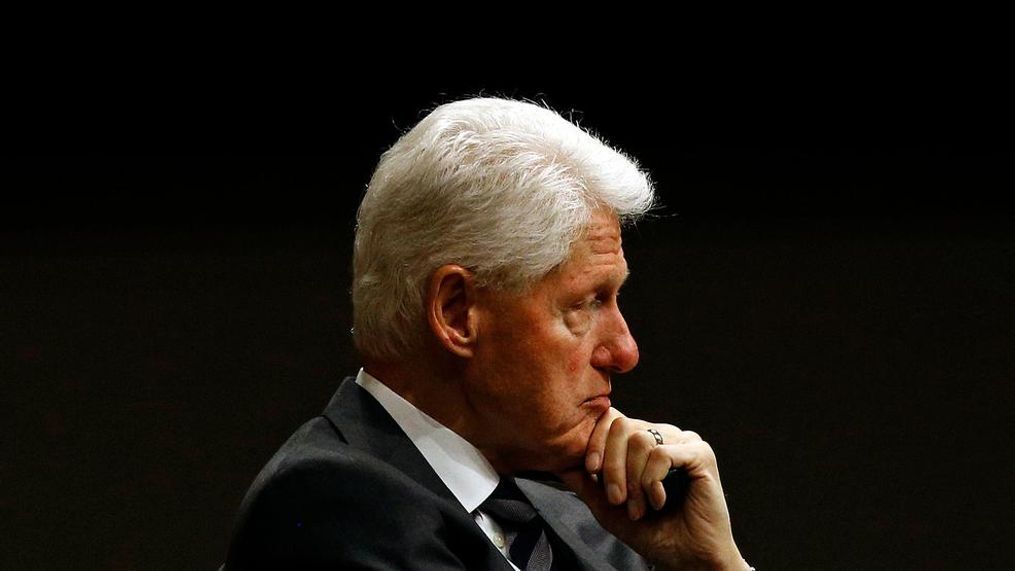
<point x="365" y="425"/>
<point x="570" y="519"/>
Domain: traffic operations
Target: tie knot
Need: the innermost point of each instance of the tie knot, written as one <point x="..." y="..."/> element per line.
<point x="508" y="503"/>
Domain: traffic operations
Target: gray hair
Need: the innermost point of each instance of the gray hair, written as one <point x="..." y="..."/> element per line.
<point x="501" y="187"/>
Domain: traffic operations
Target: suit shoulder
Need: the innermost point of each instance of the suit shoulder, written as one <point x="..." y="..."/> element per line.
<point x="319" y="501"/>
<point x="316" y="471"/>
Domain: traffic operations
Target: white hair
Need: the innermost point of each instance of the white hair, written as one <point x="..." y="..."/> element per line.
<point x="501" y="187"/>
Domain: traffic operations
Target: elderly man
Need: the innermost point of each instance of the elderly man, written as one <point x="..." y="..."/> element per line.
<point x="487" y="264"/>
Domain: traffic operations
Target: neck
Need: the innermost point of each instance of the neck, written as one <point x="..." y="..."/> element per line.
<point x="440" y="391"/>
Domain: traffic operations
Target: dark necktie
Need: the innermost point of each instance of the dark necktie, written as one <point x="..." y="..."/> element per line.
<point x="528" y="544"/>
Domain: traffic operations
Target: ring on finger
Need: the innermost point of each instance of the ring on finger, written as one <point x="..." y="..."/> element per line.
<point x="655" y="434"/>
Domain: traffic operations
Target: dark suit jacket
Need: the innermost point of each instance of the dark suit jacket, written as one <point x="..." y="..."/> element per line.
<point x="349" y="490"/>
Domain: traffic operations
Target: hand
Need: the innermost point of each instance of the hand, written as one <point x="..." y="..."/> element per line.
<point x="622" y="485"/>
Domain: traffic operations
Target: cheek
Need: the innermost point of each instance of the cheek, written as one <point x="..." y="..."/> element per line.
<point x="578" y="322"/>
<point x="573" y="342"/>
<point x="574" y="363"/>
<point x="577" y="325"/>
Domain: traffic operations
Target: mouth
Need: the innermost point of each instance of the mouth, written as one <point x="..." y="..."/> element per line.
<point x="600" y="403"/>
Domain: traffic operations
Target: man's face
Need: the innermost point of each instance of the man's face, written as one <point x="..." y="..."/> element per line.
<point x="541" y="374"/>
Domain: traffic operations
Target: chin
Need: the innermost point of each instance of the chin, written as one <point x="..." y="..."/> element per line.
<point x="557" y="458"/>
<point x="571" y="455"/>
<point x="563" y="452"/>
<point x="560" y="464"/>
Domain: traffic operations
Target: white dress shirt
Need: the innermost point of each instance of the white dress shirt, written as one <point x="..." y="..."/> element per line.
<point x="459" y="464"/>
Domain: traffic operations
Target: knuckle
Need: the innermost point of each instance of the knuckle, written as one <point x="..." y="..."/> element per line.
<point x="641" y="442"/>
<point x="659" y="454"/>
<point x="608" y="420"/>
<point x="604" y="424"/>
<point x="618" y="426"/>
<point x="707" y="451"/>
<point x="614" y="415"/>
<point x="624" y="424"/>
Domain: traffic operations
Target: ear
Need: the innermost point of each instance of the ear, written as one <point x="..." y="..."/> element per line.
<point x="451" y="296"/>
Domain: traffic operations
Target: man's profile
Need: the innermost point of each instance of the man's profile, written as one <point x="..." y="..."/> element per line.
<point x="479" y="433"/>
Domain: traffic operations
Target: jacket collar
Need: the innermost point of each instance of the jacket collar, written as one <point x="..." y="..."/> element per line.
<point x="364" y="424"/>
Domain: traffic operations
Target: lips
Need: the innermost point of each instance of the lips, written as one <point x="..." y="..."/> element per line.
<point x="598" y="402"/>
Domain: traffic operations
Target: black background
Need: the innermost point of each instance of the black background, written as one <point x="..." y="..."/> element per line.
<point x="826" y="294"/>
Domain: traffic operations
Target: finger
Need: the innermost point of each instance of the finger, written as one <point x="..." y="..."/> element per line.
<point x="656" y="491"/>
<point x="695" y="457"/>
<point x="597" y="442"/>
<point x="684" y="437"/>
<point x="657" y="466"/>
<point x="639" y="445"/>
<point x="615" y="459"/>
<point x="692" y="456"/>
<point x="671" y="434"/>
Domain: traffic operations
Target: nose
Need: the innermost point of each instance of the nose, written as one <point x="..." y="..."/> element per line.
<point x="618" y="351"/>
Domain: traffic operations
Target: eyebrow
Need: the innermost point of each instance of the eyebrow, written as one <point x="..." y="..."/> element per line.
<point x="623" y="279"/>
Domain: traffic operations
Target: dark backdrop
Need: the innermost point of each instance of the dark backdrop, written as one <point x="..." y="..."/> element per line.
<point x="826" y="295"/>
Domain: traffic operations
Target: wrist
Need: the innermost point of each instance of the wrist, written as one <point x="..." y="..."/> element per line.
<point x="737" y="564"/>
<point x="732" y="563"/>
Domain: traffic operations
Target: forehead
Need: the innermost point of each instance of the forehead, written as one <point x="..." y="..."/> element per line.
<point x="601" y="237"/>
<point x="598" y="255"/>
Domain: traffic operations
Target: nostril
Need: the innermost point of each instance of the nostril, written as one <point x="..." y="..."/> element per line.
<point x="601" y="357"/>
<point x="621" y="358"/>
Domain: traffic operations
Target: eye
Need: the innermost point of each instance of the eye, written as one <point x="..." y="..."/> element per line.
<point x="590" y="303"/>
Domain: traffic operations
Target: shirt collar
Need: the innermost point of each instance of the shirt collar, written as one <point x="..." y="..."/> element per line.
<point x="459" y="464"/>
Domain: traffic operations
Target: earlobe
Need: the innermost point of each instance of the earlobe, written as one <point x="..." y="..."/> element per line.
<point x="449" y="304"/>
